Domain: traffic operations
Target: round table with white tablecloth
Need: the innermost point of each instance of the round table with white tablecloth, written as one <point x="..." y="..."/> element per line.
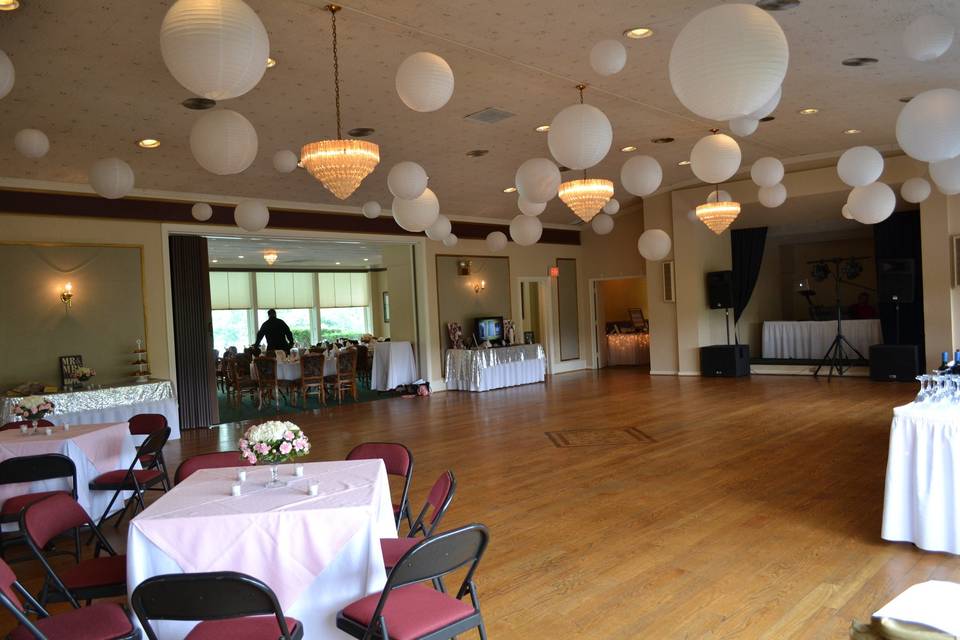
<point x="292" y="370"/>
<point x="393" y="365"/>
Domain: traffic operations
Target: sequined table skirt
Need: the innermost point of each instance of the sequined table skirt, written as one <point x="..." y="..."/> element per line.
<point x="485" y="369"/>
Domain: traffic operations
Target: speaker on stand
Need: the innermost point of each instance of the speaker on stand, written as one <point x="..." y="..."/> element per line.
<point x="895" y="284"/>
<point x="723" y="360"/>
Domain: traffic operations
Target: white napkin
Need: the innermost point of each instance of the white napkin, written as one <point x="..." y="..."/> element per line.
<point x="932" y="603"/>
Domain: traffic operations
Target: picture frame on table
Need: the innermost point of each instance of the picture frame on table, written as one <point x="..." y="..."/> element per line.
<point x="68" y="368"/>
<point x="639" y="322"/>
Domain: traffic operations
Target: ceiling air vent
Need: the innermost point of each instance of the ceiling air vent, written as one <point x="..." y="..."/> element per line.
<point x="490" y="115"/>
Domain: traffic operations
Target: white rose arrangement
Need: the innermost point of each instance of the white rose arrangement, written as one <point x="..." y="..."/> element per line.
<point x="274" y="442"/>
<point x="33" y="408"/>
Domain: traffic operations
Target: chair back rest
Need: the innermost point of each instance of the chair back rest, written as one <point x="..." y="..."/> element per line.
<point x="439" y="555"/>
<point x="143" y="424"/>
<point x="439" y="499"/>
<point x="396" y="457"/>
<point x="18" y="423"/>
<point x="266" y="369"/>
<point x="311" y="365"/>
<point x="219" y="460"/>
<point x="46" y="466"/>
<point x="153" y="444"/>
<point x="347" y="363"/>
<point x="7" y="578"/>
<point x="46" y="519"/>
<point x="363" y="356"/>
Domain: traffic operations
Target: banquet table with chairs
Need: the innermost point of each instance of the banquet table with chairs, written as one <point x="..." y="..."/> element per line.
<point x="317" y="553"/>
<point x="810" y="339"/>
<point x="290" y="369"/>
<point x="394" y="365"/>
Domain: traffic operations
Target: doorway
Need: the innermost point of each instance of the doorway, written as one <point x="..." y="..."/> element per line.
<point x="621" y="335"/>
<point x="536" y="315"/>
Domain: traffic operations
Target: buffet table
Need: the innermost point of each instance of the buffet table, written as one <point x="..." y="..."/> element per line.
<point x="110" y="404"/>
<point x="393" y="366"/>
<point x="809" y="340"/>
<point x="628" y="349"/>
<point x="485" y="369"/>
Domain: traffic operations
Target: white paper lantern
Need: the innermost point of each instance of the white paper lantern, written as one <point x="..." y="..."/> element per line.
<point x="602" y="224"/>
<point x="496" y="241"/>
<point x="530" y="208"/>
<point x="537" y="180"/>
<point x="744" y="125"/>
<point x="217" y="49"/>
<point x="772" y="197"/>
<point x="111" y="177"/>
<point x="612" y="206"/>
<point x="285" y="161"/>
<point x="223" y="142"/>
<point x="608" y="57"/>
<point x="580" y="136"/>
<point x="251" y="215"/>
<point x="371" y="209"/>
<point x="418" y="214"/>
<point x="769" y="106"/>
<point x="450" y="240"/>
<point x="407" y="180"/>
<point x="525" y="230"/>
<point x="201" y="211"/>
<point x="715" y="158"/>
<point x="873" y="203"/>
<point x="915" y="190"/>
<point x="654" y="244"/>
<point x="928" y="37"/>
<point x="846" y="213"/>
<point x="946" y="175"/>
<point x="719" y="195"/>
<point x="7" y="74"/>
<point x="766" y="172"/>
<point x="728" y="61"/>
<point x="860" y="166"/>
<point x="424" y="82"/>
<point x="440" y="228"/>
<point x="928" y="127"/>
<point x="31" y="143"/>
<point x="641" y="175"/>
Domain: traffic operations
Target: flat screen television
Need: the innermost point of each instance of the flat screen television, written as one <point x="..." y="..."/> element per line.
<point x="489" y="328"/>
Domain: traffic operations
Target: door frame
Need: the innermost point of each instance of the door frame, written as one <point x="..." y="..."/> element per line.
<point x="547" y="330"/>
<point x="593" y="288"/>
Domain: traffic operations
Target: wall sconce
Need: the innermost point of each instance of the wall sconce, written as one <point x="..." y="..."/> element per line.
<point x="479" y="286"/>
<point x="66" y="295"/>
<point x="554" y="272"/>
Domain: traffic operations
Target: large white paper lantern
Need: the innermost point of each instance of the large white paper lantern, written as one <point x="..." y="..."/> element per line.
<point x="608" y="57"/>
<point x="223" y="142"/>
<point x="285" y="161"/>
<point x="602" y="224"/>
<point x="111" y="177"/>
<point x="946" y="175"/>
<point x="418" y="214"/>
<point x="859" y="166"/>
<point x="450" y="240"/>
<point x="407" y="180"/>
<point x="371" y="209"/>
<point x="496" y="241"/>
<point x="915" y="190"/>
<point x="928" y="127"/>
<point x="654" y="244"/>
<point x="612" y="206"/>
<point x="769" y="106"/>
<point x="424" y="82"/>
<point x="715" y="158"/>
<point x="251" y="215"/>
<point x="201" y="211"/>
<point x="440" y="228"/>
<point x="641" y="175"/>
<point x="580" y="136"/>
<point x="525" y="230"/>
<point x="719" y="195"/>
<point x="217" y="49"/>
<point x="728" y="61"/>
<point x="772" y="197"/>
<point x="7" y="74"/>
<point x="530" y="208"/>
<point x="744" y="126"/>
<point x="537" y="180"/>
<point x="845" y="212"/>
<point x="928" y="37"/>
<point x="766" y="172"/>
<point x="873" y="203"/>
<point x="31" y="143"/>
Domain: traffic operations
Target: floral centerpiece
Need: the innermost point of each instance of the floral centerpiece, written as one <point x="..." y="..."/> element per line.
<point x="273" y="443"/>
<point x="84" y="373"/>
<point x="32" y="408"/>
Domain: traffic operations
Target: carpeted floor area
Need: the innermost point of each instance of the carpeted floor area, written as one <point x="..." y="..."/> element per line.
<point x="247" y="410"/>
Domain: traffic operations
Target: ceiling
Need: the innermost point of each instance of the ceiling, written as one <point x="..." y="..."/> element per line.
<point x="226" y="251"/>
<point x="90" y="75"/>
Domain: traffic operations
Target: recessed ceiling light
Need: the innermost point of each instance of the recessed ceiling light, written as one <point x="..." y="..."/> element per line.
<point x="509" y="189"/>
<point x="148" y="143"/>
<point x="214" y="261"/>
<point x="336" y="263"/>
<point x="477" y="153"/>
<point x="851" y="132"/>
<point x="9" y="5"/>
<point x="638" y="33"/>
<point x="628" y="149"/>
<point x="809" y="111"/>
<point x="199" y="104"/>
<point x="858" y="62"/>
<point x="271" y="63"/>
<point x="542" y="128"/>
<point x="366" y="259"/>
<point x="360" y="132"/>
<point x="664" y="140"/>
<point x="241" y="257"/>
<point x="777" y="5"/>
<point x="767" y="119"/>
<point x="683" y="163"/>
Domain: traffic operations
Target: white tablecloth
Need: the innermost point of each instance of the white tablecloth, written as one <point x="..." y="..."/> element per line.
<point x="393" y="365"/>
<point x="485" y="369"/>
<point x="292" y="370"/>
<point x="921" y="501"/>
<point x="628" y="349"/>
<point x="809" y="340"/>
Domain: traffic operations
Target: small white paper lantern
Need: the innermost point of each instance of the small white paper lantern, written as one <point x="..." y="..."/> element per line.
<point x="928" y="127"/>
<point x="744" y="126"/>
<point x="450" y="240"/>
<point x="873" y="203"/>
<point x="845" y="212"/>
<point x="371" y="209"/>
<point x="251" y="215"/>
<point x="7" y="74"/>
<point x="769" y="106"/>
<point x="928" y="37"/>
<point x="766" y="172"/>
<point x="641" y="175"/>
<point x="525" y="230"/>
<point x="946" y="175"/>
<point x="654" y="244"/>
<point x="407" y="180"/>
<point x="111" y="177"/>
<point x="602" y="224"/>
<point x="223" y="142"/>
<point x="424" y="82"/>
<point x="31" y="143"/>
<point x="692" y="217"/>
<point x="440" y="228"/>
<point x="608" y="57"/>
<point x="530" y="208"/>
<point x="719" y="195"/>
<point x="612" y="206"/>
<point x="217" y="49"/>
<point x="285" y="161"/>
<point x="728" y="61"/>
<point x="418" y="214"/>
<point x="716" y="157"/>
<point x="915" y="190"/>
<point x="859" y="166"/>
<point x="537" y="180"/>
<point x="580" y="136"/>
<point x="201" y="211"/>
<point x="496" y="241"/>
<point x="772" y="197"/>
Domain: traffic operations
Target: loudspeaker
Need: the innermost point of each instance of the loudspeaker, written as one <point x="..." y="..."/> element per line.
<point x="895" y="279"/>
<point x="720" y="289"/>
<point x="890" y="362"/>
<point x="725" y="360"/>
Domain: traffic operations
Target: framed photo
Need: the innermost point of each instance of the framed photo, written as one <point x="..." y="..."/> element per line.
<point x="386" y="306"/>
<point x="638" y="321"/>
<point x="68" y="368"/>
<point x="668" y="282"/>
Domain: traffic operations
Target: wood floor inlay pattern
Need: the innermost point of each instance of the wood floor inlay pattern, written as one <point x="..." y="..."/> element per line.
<point x="598" y="437"/>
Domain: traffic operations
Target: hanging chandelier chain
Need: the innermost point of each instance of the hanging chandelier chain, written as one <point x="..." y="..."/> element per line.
<point x="332" y="8"/>
<point x="580" y="88"/>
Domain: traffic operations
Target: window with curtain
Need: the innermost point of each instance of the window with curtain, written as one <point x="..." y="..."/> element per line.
<point x="285" y="290"/>
<point x="231" y="302"/>
<point x="344" y="302"/>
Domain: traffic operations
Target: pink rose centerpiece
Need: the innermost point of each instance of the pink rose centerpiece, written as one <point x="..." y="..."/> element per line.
<point x="273" y="443"/>
<point x="33" y="408"/>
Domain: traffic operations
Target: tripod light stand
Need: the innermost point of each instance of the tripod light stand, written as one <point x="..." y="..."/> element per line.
<point x="837" y="355"/>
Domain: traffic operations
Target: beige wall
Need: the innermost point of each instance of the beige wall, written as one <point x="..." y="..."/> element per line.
<point x="658" y="214"/>
<point x="378" y="284"/>
<point x="615" y="254"/>
<point x="458" y="302"/>
<point x="399" y="264"/>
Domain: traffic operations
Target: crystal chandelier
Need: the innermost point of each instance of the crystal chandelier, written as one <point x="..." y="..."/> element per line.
<point x="340" y="165"/>
<point x="587" y="196"/>
<point x="270" y="257"/>
<point x="718" y="215"/>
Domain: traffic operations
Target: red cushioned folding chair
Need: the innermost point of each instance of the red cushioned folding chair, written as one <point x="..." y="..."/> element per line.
<point x="133" y="479"/>
<point x="398" y="461"/>
<point x="40" y="468"/>
<point x="143" y="424"/>
<point x="219" y="460"/>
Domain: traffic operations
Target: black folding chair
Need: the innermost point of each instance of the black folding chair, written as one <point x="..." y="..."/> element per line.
<point x="133" y="479"/>
<point x="39" y="468"/>
<point x="417" y="611"/>
<point x="224" y="601"/>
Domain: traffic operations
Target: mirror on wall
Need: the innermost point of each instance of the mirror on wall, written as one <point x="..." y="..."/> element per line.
<point x="567" y="310"/>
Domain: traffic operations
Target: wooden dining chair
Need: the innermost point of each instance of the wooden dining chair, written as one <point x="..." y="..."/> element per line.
<point x="267" y="387"/>
<point x="241" y="380"/>
<point x="345" y="379"/>
<point x="311" y="377"/>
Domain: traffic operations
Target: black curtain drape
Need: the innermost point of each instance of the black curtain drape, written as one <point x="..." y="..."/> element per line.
<point x="899" y="237"/>
<point x="746" y="246"/>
